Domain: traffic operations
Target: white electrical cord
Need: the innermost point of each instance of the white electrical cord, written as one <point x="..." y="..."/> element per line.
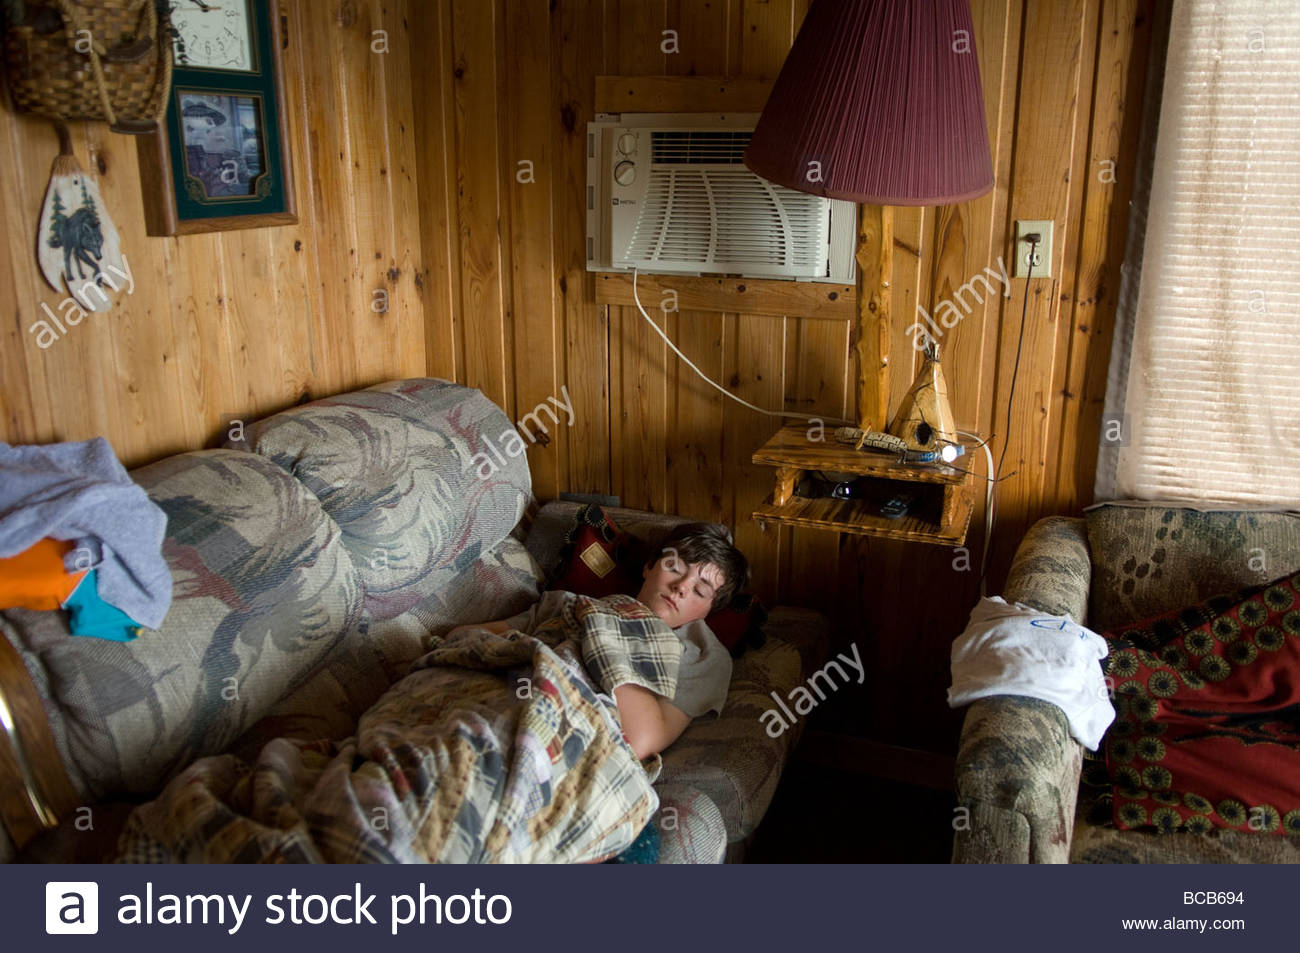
<point x="771" y="413"/>
<point x="988" y="500"/>
<point x="984" y="445"/>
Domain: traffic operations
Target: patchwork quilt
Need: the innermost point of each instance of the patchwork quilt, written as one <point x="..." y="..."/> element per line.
<point x="495" y="748"/>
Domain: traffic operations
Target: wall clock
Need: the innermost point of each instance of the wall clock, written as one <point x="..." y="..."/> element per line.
<point x="221" y="157"/>
<point x="213" y="36"/>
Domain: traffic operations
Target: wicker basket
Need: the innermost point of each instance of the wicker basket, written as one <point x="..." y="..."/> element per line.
<point x="89" y="59"/>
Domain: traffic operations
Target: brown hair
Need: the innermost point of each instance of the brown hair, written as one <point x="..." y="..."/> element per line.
<point x="709" y="543"/>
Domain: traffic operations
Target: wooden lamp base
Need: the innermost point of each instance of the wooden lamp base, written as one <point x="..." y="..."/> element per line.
<point x="924" y="418"/>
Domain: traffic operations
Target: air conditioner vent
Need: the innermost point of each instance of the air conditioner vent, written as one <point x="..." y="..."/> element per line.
<point x="728" y="220"/>
<point x="699" y="147"/>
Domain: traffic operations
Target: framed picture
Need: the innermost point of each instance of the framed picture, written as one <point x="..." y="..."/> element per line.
<point x="221" y="157"/>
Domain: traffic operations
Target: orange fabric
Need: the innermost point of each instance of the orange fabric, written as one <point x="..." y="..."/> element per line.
<point x="36" y="579"/>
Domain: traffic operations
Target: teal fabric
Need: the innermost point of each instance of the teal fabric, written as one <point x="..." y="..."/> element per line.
<point x="91" y="616"/>
<point x="643" y="850"/>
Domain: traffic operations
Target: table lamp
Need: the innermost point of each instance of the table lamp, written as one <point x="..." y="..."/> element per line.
<point x="879" y="102"/>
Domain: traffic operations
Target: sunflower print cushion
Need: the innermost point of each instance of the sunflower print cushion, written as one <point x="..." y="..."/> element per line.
<point x="1207" y="729"/>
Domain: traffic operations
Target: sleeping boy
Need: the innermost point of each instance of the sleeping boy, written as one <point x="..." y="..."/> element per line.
<point x="698" y="570"/>
<point x="459" y="764"/>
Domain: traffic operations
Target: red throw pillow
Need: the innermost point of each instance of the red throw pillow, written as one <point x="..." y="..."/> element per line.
<point x="1207" y="729"/>
<point x="594" y="561"/>
<point x="600" y="559"/>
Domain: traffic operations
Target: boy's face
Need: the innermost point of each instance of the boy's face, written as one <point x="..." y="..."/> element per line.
<point x="679" y="592"/>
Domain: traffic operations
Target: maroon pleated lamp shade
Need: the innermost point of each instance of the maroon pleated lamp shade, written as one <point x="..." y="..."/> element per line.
<point x="878" y="102"/>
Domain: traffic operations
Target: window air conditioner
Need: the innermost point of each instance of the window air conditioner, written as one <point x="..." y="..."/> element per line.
<point x="670" y="194"/>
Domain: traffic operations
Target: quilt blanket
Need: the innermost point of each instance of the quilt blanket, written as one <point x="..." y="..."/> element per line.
<point x="495" y="748"/>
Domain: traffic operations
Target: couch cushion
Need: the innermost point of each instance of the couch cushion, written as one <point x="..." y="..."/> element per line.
<point x="1150" y="559"/>
<point x="1096" y="840"/>
<point x="503" y="582"/>
<point x="263" y="589"/>
<point x="398" y="468"/>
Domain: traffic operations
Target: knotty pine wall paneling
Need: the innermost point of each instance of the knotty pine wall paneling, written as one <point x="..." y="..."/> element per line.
<point x="1062" y="80"/>
<point x="238" y="323"/>
<point x="578" y="38"/>
<point x="411" y="166"/>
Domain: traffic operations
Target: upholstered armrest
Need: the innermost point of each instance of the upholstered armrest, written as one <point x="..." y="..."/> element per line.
<point x="1018" y="781"/>
<point x="1052" y="569"/>
<point x="1017" y="765"/>
<point x="691" y="828"/>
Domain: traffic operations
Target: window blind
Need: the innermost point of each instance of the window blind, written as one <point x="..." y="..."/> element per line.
<point x="1210" y="378"/>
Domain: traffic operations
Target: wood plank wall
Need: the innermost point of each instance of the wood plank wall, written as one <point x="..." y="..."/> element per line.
<point x="240" y="323"/>
<point x="502" y="96"/>
<point x="450" y="172"/>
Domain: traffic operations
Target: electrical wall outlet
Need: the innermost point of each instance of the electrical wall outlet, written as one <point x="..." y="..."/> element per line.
<point x="1042" y="253"/>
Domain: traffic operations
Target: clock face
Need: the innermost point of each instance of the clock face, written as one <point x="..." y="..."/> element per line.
<point x="216" y="35"/>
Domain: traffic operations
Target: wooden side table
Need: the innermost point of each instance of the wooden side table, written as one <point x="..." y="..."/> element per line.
<point x="940" y="515"/>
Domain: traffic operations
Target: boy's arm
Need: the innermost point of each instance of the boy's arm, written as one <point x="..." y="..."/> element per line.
<point x="650" y="722"/>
